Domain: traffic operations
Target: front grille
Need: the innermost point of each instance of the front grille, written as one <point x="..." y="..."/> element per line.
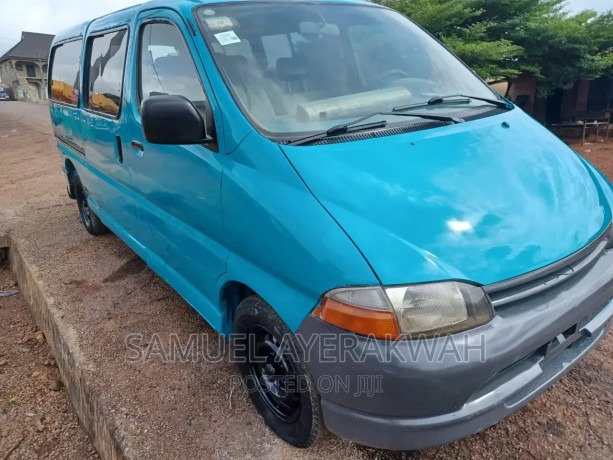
<point x="522" y="287"/>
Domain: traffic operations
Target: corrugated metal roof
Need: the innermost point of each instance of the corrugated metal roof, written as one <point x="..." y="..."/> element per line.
<point x="32" y="46"/>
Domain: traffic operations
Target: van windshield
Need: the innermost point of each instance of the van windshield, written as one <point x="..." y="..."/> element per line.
<point x="296" y="68"/>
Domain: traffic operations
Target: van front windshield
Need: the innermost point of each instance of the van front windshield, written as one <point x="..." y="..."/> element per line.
<point x="296" y="68"/>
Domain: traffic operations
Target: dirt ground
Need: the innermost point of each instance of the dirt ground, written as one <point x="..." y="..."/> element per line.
<point x="37" y="419"/>
<point x="103" y="292"/>
<point x="598" y="152"/>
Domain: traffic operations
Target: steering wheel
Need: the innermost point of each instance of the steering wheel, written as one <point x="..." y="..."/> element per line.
<point x="394" y="74"/>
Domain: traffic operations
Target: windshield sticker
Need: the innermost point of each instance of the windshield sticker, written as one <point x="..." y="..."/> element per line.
<point x="227" y="38"/>
<point x="209" y="12"/>
<point x="219" y="22"/>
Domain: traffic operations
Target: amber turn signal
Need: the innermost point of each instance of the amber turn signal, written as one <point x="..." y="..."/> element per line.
<point x="377" y="323"/>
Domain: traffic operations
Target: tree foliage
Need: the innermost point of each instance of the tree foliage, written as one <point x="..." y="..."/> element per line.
<point x="503" y="38"/>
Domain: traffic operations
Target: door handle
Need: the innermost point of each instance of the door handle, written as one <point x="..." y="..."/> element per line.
<point x="137" y="145"/>
<point x="119" y="149"/>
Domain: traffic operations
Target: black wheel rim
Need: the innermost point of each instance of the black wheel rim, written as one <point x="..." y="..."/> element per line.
<point x="276" y="380"/>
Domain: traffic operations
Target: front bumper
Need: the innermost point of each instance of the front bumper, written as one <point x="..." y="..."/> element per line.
<point x="417" y="394"/>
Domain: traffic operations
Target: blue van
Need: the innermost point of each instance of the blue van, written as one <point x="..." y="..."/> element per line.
<point x="399" y="254"/>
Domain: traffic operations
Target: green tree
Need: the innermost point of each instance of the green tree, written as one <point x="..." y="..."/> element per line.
<point x="502" y="38"/>
<point x="561" y="48"/>
<point x="601" y="34"/>
<point x="457" y="24"/>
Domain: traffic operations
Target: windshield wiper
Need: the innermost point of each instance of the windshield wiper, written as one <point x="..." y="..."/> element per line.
<point x="341" y="129"/>
<point x="354" y="126"/>
<point x="459" y="99"/>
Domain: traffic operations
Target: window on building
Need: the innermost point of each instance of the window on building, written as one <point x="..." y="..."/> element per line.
<point x="166" y="65"/>
<point x="18" y="67"/>
<point x="31" y="70"/>
<point x="107" y="57"/>
<point x="65" y="65"/>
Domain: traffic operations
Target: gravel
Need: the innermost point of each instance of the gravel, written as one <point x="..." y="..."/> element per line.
<point x="190" y="410"/>
<point x="34" y="421"/>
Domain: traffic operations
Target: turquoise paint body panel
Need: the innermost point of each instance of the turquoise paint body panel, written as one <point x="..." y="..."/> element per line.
<point x="474" y="201"/>
<point x="181" y="186"/>
<point x="283" y="244"/>
<point x="482" y="201"/>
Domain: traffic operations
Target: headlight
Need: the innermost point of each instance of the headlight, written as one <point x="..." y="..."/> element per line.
<point x="420" y="310"/>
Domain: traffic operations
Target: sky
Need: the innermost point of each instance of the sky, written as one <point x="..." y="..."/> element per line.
<point x="51" y="16"/>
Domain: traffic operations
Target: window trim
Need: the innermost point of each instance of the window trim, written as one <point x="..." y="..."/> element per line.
<point x="275" y="137"/>
<point x="28" y="68"/>
<point x="86" y="70"/>
<point x="138" y="73"/>
<point x="138" y="82"/>
<point x="50" y="71"/>
<point x="281" y="138"/>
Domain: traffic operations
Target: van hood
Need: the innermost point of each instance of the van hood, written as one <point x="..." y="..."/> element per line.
<point x="482" y="201"/>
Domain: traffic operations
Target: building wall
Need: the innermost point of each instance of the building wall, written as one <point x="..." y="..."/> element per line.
<point x="523" y="89"/>
<point x="569" y="104"/>
<point x="27" y="79"/>
<point x="583" y="93"/>
<point x="565" y="105"/>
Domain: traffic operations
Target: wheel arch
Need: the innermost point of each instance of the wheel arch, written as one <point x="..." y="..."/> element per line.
<point x="231" y="295"/>
<point x="71" y="172"/>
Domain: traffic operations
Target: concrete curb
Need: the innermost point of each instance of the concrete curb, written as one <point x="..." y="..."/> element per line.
<point x="71" y="365"/>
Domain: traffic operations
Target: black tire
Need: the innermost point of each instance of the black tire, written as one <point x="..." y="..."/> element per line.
<point x="90" y="220"/>
<point x="295" y="416"/>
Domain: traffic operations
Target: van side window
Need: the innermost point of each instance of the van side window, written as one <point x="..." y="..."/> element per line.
<point x="107" y="57"/>
<point x="167" y="66"/>
<point x="64" y="78"/>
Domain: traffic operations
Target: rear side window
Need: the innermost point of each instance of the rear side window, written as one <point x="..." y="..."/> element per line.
<point x="107" y="57"/>
<point x="64" y="78"/>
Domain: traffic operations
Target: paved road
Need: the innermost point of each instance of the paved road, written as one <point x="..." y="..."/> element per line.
<point x="102" y="293"/>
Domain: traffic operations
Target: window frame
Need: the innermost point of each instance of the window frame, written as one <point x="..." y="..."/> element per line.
<point x="86" y="70"/>
<point x="282" y="138"/>
<point x="273" y="136"/>
<point x="139" y="57"/>
<point x="50" y="71"/>
<point x="32" y="68"/>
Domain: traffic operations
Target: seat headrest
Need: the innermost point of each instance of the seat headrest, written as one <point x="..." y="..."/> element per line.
<point x="235" y="60"/>
<point x="172" y="65"/>
<point x="291" y="69"/>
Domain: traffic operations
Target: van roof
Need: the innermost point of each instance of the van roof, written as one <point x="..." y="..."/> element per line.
<point x="124" y="16"/>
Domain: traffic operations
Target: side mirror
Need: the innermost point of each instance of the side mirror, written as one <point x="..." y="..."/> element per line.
<point x="172" y="120"/>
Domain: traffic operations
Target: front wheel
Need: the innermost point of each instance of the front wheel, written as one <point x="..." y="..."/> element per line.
<point x="279" y="383"/>
<point x="90" y="220"/>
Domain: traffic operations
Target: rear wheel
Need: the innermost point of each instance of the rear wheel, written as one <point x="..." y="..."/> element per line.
<point x="279" y="383"/>
<point x="90" y="220"/>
